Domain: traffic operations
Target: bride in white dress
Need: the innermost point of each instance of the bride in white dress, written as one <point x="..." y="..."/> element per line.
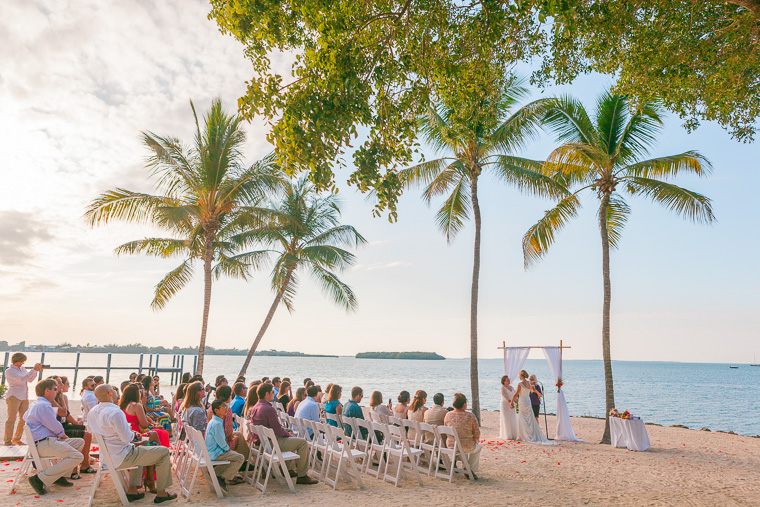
<point x="528" y="429"/>
<point x="507" y="415"/>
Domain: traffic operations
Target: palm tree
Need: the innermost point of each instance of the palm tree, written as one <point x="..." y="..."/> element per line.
<point x="304" y="231"/>
<point x="487" y="144"/>
<point x="605" y="154"/>
<point x="203" y="193"/>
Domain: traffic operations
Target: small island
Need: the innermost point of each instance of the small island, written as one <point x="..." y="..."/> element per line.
<point x="400" y="355"/>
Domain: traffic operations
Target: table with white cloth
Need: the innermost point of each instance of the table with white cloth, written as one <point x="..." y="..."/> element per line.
<point x="629" y="433"/>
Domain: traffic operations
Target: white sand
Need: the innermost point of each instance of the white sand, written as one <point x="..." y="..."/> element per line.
<point x="682" y="467"/>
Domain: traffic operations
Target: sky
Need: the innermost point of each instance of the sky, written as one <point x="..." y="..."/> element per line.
<point x="81" y="80"/>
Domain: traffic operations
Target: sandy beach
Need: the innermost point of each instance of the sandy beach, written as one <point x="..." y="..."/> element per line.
<point x="682" y="467"/>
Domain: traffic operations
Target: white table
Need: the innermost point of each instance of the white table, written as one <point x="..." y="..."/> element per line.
<point x="629" y="433"/>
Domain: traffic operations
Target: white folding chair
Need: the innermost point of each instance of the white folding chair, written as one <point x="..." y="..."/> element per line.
<point x="379" y="438"/>
<point x="449" y="456"/>
<point x="107" y="467"/>
<point x="412" y="430"/>
<point x="200" y="460"/>
<point x="31" y="456"/>
<point x="362" y="440"/>
<point x="394" y="420"/>
<point x="342" y="456"/>
<point x="400" y="452"/>
<point x="318" y="445"/>
<point x="427" y="431"/>
<point x="334" y="418"/>
<point x="273" y="460"/>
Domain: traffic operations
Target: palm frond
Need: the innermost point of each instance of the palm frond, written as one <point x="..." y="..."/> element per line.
<point x="611" y="115"/>
<point x="328" y="257"/>
<point x="576" y="163"/>
<point x="670" y="166"/>
<point x="526" y="176"/>
<point x="641" y="132"/>
<point x="157" y="247"/>
<point x="445" y="179"/>
<point x="521" y="127"/>
<point x="422" y="173"/>
<point x="570" y="123"/>
<point x="338" y="292"/>
<point x="125" y="205"/>
<point x="540" y="236"/>
<point x="688" y="204"/>
<point x="340" y="235"/>
<point x="174" y="281"/>
<point x="455" y="210"/>
<point x="616" y="218"/>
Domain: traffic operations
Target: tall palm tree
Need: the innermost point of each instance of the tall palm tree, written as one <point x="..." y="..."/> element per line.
<point x="476" y="147"/>
<point x="304" y="231"/>
<point x="203" y="193"/>
<point x="605" y="154"/>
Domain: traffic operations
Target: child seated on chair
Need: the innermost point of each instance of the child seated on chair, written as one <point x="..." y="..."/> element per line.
<point x="219" y="449"/>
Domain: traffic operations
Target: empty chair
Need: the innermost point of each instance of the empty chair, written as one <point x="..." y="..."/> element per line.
<point x="342" y="456"/>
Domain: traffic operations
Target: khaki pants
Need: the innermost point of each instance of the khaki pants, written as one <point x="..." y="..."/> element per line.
<point x="228" y="472"/>
<point x="15" y="407"/>
<point x="144" y="456"/>
<point x="242" y="446"/>
<point x="298" y="446"/>
<point x="474" y="458"/>
<point x="67" y="452"/>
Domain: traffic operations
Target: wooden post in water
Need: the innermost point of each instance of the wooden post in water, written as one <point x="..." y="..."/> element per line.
<point x="195" y="364"/>
<point x="5" y="365"/>
<point x="156" y="370"/>
<point x="150" y="363"/>
<point x="181" y="368"/>
<point x="108" y="368"/>
<point x="174" y="365"/>
<point x="139" y="369"/>
<point x="42" y="361"/>
<point x="76" y="371"/>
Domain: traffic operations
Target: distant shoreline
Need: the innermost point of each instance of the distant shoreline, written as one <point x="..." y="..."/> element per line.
<point x="431" y="356"/>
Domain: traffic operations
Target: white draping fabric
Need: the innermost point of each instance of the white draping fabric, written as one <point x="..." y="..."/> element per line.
<point x="514" y="360"/>
<point x="629" y="433"/>
<point x="564" y="426"/>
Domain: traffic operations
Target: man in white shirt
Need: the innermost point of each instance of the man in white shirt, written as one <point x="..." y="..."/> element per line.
<point x="17" y="396"/>
<point x="108" y="420"/>
<point x="88" y="397"/>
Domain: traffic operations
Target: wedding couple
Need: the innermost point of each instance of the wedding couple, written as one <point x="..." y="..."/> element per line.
<point x="520" y="424"/>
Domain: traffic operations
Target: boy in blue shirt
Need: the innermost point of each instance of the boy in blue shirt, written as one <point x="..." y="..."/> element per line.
<point x="219" y="450"/>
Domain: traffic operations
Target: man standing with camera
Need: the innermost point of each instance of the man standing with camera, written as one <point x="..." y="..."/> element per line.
<point x="17" y="397"/>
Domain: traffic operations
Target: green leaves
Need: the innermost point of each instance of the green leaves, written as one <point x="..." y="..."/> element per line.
<point x="540" y="237"/>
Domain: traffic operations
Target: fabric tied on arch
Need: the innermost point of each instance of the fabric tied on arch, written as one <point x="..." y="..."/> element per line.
<point x="514" y="360"/>
<point x="564" y="427"/>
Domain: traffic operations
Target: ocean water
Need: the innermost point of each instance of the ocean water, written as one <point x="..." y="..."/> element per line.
<point x="693" y="394"/>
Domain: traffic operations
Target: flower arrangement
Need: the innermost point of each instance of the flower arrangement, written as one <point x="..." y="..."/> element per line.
<point x="623" y="415"/>
<point x="559" y="384"/>
<point x="614" y="413"/>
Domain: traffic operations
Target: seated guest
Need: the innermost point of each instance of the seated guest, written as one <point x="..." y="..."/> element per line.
<point x="299" y="397"/>
<point x="235" y="439"/>
<point x="186" y="377"/>
<point x="220" y="381"/>
<point x="308" y="408"/>
<point x="238" y="403"/>
<point x="219" y="449"/>
<point x="417" y="410"/>
<point x="98" y="380"/>
<point x="72" y="428"/>
<point x="50" y="439"/>
<point x="251" y="398"/>
<point x="88" y="396"/>
<point x="320" y="395"/>
<point x="179" y="397"/>
<point x="402" y="408"/>
<point x="466" y="426"/>
<point x="376" y="404"/>
<point x="133" y="376"/>
<point x="434" y="416"/>
<point x="193" y="413"/>
<point x="283" y="398"/>
<point x="108" y="420"/>
<point x="157" y="410"/>
<point x="264" y="414"/>
<point x="135" y="414"/>
<point x="333" y="405"/>
<point x="352" y="408"/>
<point x="306" y="381"/>
<point x="276" y="383"/>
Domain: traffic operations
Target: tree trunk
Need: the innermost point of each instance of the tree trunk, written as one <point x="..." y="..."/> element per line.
<point x="265" y="325"/>
<point x="608" y="386"/>
<point x="474" y="302"/>
<point x="208" y="256"/>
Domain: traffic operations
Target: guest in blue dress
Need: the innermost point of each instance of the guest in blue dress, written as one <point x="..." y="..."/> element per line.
<point x="333" y="405"/>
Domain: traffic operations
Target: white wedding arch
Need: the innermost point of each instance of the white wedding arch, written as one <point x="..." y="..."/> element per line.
<point x="514" y="359"/>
